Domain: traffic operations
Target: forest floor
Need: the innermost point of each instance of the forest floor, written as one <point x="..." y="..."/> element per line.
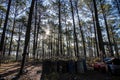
<point x="34" y="71"/>
<point x="10" y="70"/>
<point x="89" y="75"/>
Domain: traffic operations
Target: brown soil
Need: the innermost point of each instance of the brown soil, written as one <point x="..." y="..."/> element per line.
<point x="34" y="71"/>
<point x="10" y="70"/>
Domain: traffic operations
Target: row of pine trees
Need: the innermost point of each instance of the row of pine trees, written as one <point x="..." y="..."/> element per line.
<point x="59" y="28"/>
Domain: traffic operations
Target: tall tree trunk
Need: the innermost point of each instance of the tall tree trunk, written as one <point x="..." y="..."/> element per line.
<point x="14" y="21"/>
<point x="19" y="38"/>
<point x="28" y="51"/>
<point x="99" y="33"/>
<point x="57" y="48"/>
<point x="4" y="49"/>
<point x="60" y="29"/>
<point x="27" y="37"/>
<point x="67" y="39"/>
<point x="96" y="40"/>
<point x="38" y="27"/>
<point x="54" y="49"/>
<point x="116" y="47"/>
<point x="66" y="31"/>
<point x="51" y="45"/>
<point x="34" y="42"/>
<point x="81" y="31"/>
<point x="115" y="43"/>
<point x="4" y="28"/>
<point x="43" y="51"/>
<point x="105" y="20"/>
<point x="74" y="31"/>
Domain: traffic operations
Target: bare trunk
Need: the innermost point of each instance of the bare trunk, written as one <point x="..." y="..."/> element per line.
<point x="34" y="42"/>
<point x="27" y="37"/>
<point x="19" y="38"/>
<point x="12" y="35"/>
<point x="99" y="33"/>
<point x="75" y="35"/>
<point x="60" y="29"/>
<point x="96" y="41"/>
<point x="81" y="31"/>
<point x="4" y="28"/>
<point x="104" y="16"/>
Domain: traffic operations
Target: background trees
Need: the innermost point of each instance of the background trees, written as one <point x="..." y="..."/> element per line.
<point x="64" y="29"/>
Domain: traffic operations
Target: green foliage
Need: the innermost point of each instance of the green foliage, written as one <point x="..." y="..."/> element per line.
<point x="3" y="9"/>
<point x="47" y="20"/>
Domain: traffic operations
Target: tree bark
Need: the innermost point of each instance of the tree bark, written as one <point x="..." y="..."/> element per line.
<point x="99" y="33"/>
<point x="34" y="42"/>
<point x="60" y="29"/>
<point x="19" y="38"/>
<point x="27" y="37"/>
<point x="4" y="28"/>
<point x="107" y="29"/>
<point x="81" y="31"/>
<point x="14" y="21"/>
<point x="96" y="40"/>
